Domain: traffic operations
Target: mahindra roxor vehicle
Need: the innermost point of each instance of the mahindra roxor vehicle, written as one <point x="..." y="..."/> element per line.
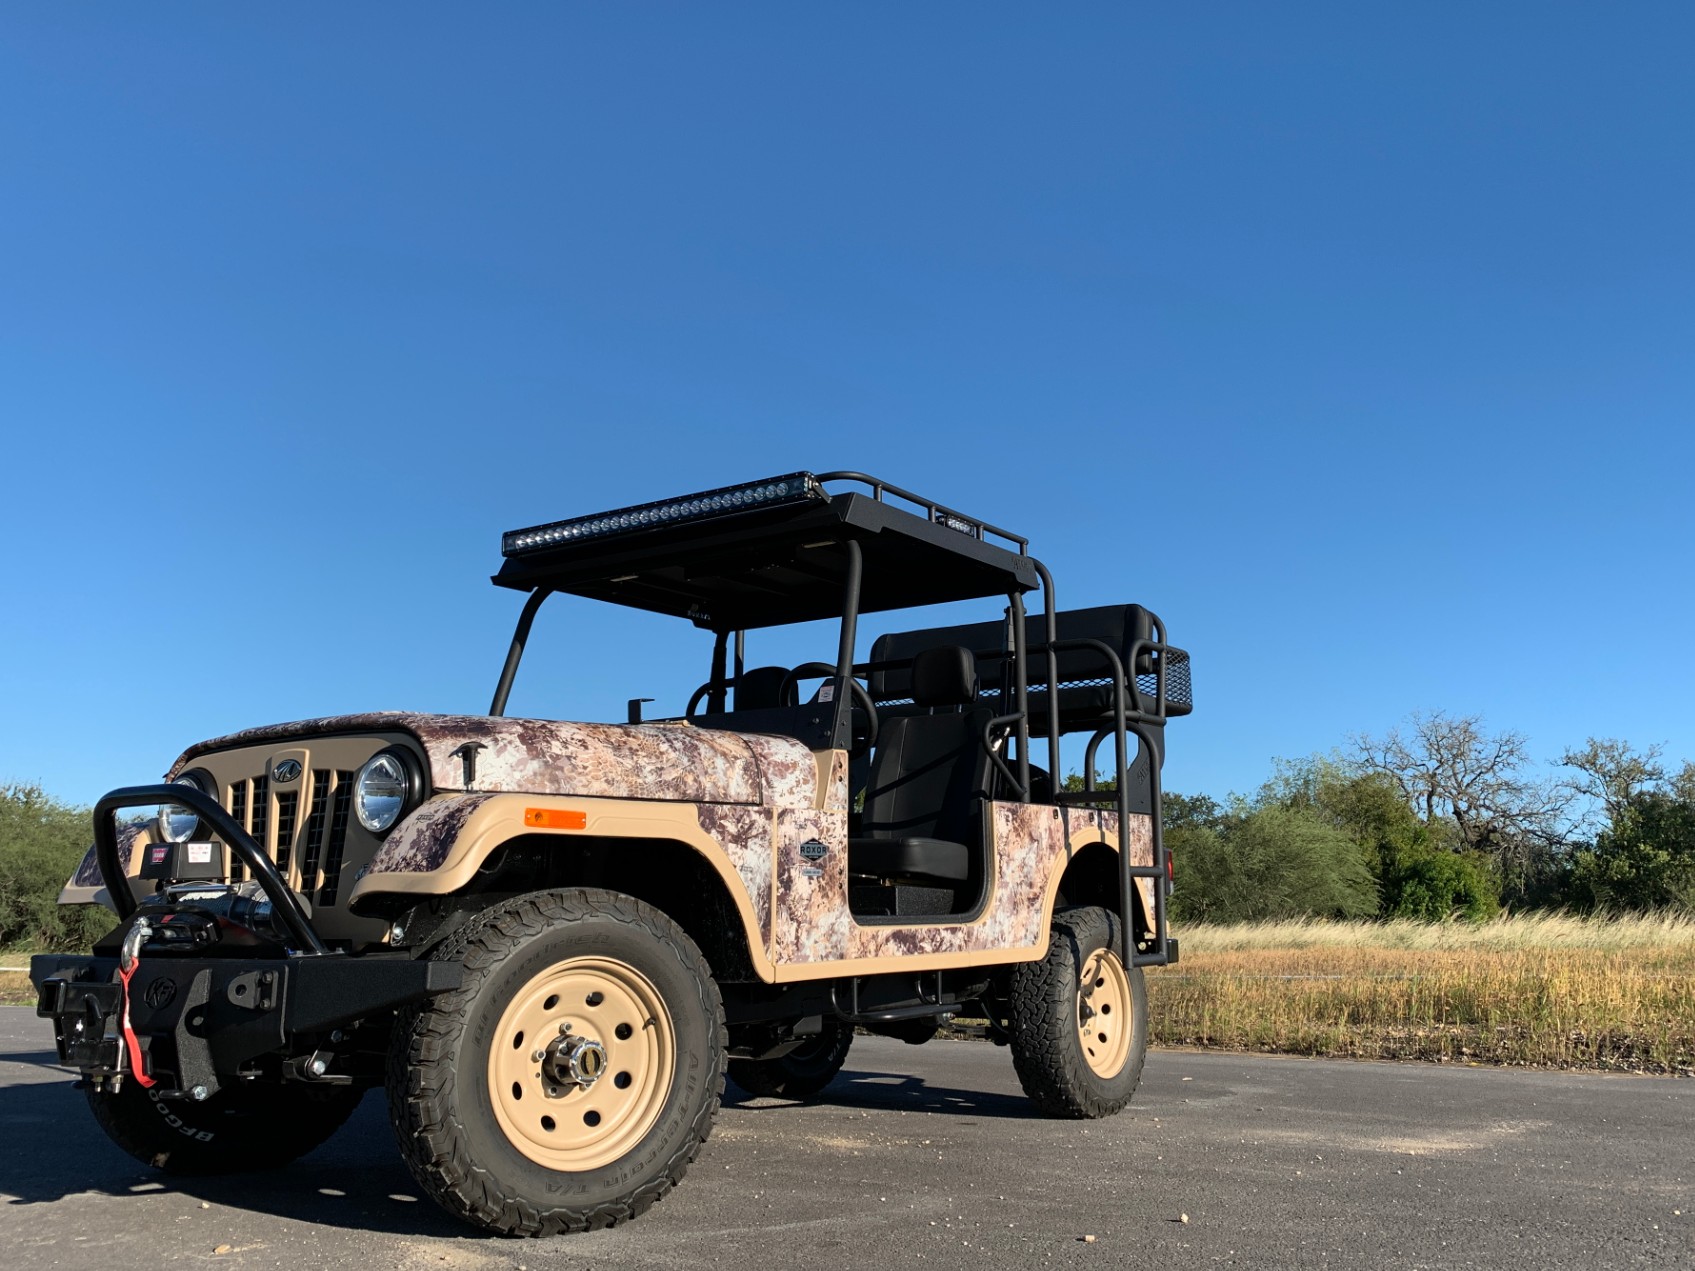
<point x="549" y="941"/>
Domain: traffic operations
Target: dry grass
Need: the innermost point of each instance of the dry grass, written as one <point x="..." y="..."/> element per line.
<point x="15" y="988"/>
<point x="1544" y="990"/>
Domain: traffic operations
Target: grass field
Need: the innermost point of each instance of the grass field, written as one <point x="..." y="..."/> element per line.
<point x="1541" y="990"/>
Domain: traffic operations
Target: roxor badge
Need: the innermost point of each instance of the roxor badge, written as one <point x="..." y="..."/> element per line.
<point x="813" y="850"/>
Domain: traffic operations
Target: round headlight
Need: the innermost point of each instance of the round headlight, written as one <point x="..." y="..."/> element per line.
<point x="178" y="824"/>
<point x="381" y="791"/>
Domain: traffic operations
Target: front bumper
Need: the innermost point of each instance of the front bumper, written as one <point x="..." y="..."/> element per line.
<point x="202" y="1023"/>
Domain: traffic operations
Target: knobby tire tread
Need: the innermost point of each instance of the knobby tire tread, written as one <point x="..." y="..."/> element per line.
<point x="1042" y="1001"/>
<point x="421" y="1075"/>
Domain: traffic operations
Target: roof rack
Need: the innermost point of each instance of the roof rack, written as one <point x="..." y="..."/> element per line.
<point x="938" y="514"/>
<point x="770" y="552"/>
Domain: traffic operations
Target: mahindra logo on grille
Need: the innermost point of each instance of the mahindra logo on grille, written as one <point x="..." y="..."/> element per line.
<point x="160" y="992"/>
<point x="286" y="770"/>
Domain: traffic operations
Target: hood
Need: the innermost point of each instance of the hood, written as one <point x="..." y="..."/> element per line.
<point x="671" y="762"/>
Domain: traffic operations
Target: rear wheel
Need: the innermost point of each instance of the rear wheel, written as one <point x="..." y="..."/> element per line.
<point x="1079" y="1020"/>
<point x="572" y="1077"/>
<point x="803" y="1071"/>
<point x="240" y="1128"/>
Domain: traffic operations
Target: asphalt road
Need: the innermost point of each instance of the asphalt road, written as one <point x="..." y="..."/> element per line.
<point x="929" y="1155"/>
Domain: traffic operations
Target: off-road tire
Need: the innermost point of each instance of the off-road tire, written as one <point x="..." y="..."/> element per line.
<point x="801" y="1073"/>
<point x="1045" y="1004"/>
<point x="439" y="1087"/>
<point x="239" y="1129"/>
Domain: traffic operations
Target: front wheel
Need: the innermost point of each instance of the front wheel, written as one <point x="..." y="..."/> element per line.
<point x="239" y="1129"/>
<point x="572" y="1077"/>
<point x="1079" y="1020"/>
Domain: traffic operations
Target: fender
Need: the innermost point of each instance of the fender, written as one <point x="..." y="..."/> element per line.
<point x="440" y="847"/>
<point x="1086" y="826"/>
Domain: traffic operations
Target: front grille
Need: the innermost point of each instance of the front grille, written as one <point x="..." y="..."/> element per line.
<point x="320" y="844"/>
<point x="317" y="821"/>
<point x="338" y="836"/>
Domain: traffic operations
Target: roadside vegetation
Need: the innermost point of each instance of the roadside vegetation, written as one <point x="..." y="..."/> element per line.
<point x="1603" y="991"/>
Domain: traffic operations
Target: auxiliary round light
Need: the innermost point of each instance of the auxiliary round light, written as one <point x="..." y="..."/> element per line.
<point x="178" y="824"/>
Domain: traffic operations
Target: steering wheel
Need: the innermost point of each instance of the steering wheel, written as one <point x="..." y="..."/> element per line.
<point x="856" y="690"/>
<point x="695" y="699"/>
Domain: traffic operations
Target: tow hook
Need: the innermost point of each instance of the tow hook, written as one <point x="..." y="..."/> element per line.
<point x="133" y="940"/>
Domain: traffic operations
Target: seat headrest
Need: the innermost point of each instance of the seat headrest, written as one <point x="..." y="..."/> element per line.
<point x="944" y="676"/>
<point x="758" y="689"/>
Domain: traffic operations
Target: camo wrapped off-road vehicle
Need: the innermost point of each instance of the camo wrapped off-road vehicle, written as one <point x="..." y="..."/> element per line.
<point x="549" y="941"/>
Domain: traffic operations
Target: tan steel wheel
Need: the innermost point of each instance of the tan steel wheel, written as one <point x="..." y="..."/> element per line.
<point x="1106" y="1014"/>
<point x="580" y="1064"/>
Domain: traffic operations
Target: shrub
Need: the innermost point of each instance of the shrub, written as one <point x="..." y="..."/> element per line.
<point x="1269" y="862"/>
<point x="1434" y="885"/>
<point x="41" y="843"/>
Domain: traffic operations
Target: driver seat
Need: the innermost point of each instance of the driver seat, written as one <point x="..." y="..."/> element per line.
<point x="930" y="777"/>
<point x="761" y="688"/>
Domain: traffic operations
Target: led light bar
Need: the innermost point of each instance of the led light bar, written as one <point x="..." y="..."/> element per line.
<point x="797" y="487"/>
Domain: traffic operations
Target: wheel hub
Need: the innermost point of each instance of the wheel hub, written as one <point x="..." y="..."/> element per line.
<point x="570" y="1060"/>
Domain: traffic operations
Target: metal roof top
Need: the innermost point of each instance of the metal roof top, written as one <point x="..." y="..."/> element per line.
<point x="771" y="552"/>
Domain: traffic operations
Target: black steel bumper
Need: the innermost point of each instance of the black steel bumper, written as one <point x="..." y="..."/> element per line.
<point x="200" y="1021"/>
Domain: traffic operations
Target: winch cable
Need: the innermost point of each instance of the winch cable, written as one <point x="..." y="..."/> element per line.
<point x="129" y="958"/>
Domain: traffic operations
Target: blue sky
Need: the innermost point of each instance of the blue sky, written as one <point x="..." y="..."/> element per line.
<point x="1353" y="339"/>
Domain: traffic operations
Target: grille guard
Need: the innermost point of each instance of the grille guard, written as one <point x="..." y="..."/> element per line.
<point x="284" y="903"/>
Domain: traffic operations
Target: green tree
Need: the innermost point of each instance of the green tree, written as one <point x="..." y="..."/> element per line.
<point x="1269" y="862"/>
<point x="42" y="840"/>
<point x="1645" y="859"/>
<point x="1479" y="788"/>
<point x="1422" y="869"/>
<point x="1433" y="885"/>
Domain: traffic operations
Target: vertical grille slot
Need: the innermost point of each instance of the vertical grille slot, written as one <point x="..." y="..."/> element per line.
<point x="317" y="822"/>
<point x="238" y="814"/>
<point x="261" y="829"/>
<point x="343" y="808"/>
<point x="288" y="810"/>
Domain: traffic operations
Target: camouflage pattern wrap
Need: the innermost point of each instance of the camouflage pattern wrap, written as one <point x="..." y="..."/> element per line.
<point x="666" y="762"/>
<point x="1093" y="825"/>
<point x="745" y="836"/>
<point x="788" y="771"/>
<point x="1032" y="845"/>
<point x="423" y="840"/>
<point x="812" y="919"/>
<point x="88" y="873"/>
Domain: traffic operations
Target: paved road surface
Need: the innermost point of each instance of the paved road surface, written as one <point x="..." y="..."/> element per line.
<point x="929" y="1157"/>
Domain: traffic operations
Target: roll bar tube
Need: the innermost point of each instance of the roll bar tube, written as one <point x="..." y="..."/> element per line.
<point x="520" y="636"/>
<point x="284" y="903"/>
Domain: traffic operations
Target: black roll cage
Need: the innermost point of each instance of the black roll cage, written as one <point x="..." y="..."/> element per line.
<point x="1131" y="713"/>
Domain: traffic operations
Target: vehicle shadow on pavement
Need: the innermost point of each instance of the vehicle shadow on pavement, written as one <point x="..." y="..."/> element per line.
<point x="900" y="1092"/>
<point x="53" y="1149"/>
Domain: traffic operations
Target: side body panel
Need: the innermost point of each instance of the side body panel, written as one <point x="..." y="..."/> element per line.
<point x="816" y="936"/>
<point x="786" y="869"/>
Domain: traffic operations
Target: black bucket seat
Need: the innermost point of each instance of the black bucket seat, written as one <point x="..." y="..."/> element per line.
<point x="930" y="776"/>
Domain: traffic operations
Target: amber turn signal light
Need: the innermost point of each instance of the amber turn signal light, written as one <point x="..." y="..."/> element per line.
<point x="555" y="819"/>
